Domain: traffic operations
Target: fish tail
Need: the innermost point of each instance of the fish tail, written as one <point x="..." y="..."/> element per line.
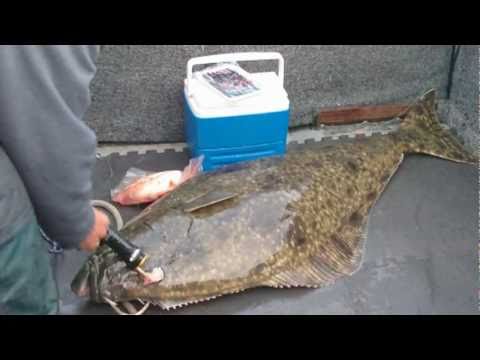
<point x="422" y="132"/>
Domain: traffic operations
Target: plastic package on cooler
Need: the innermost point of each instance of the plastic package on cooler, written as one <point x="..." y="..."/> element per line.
<point x="141" y="187"/>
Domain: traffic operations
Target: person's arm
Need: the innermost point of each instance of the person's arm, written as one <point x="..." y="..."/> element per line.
<point x="44" y="94"/>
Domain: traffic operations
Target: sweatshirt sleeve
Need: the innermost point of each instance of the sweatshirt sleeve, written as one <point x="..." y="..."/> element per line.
<point x="44" y="94"/>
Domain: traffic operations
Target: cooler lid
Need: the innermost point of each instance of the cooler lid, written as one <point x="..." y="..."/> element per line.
<point x="206" y="102"/>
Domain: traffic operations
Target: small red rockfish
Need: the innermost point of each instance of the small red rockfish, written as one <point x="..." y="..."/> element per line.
<point x="149" y="188"/>
<point x="152" y="187"/>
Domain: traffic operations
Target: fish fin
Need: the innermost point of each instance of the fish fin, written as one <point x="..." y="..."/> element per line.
<point x="175" y="305"/>
<point x="303" y="276"/>
<point x="209" y="199"/>
<point x="422" y="132"/>
<point x="341" y="256"/>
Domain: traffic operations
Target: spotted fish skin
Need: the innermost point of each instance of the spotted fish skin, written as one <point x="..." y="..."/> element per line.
<point x="297" y="221"/>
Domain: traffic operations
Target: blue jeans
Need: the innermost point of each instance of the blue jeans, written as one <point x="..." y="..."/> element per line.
<point x="27" y="283"/>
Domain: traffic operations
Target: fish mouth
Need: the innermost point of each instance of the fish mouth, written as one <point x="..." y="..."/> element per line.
<point x="87" y="283"/>
<point x="104" y="277"/>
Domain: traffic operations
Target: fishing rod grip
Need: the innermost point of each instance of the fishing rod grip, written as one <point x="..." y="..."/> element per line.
<point x="132" y="255"/>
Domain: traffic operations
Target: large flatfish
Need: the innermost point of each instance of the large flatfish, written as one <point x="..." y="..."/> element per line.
<point x="295" y="221"/>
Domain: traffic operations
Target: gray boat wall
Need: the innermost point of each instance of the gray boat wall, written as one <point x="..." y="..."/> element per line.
<point x="137" y="93"/>
<point x="461" y="113"/>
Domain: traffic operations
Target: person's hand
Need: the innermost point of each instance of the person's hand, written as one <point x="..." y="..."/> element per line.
<point x="97" y="233"/>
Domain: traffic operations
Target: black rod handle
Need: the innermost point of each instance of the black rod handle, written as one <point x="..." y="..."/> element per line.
<point x="132" y="255"/>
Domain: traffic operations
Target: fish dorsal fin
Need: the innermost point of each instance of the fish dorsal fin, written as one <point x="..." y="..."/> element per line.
<point x="340" y="256"/>
<point x="428" y="100"/>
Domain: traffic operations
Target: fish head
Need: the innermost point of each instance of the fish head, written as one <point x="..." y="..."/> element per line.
<point x="105" y="276"/>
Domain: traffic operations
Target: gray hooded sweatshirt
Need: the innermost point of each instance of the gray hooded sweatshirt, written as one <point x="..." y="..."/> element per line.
<point x="44" y="94"/>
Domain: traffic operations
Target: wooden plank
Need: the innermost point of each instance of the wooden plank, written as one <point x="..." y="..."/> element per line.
<point x="345" y="115"/>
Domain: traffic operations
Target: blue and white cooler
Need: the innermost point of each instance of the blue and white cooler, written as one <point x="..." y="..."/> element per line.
<point x="248" y="128"/>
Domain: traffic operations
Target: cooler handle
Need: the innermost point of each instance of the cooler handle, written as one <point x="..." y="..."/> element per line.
<point x="233" y="57"/>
